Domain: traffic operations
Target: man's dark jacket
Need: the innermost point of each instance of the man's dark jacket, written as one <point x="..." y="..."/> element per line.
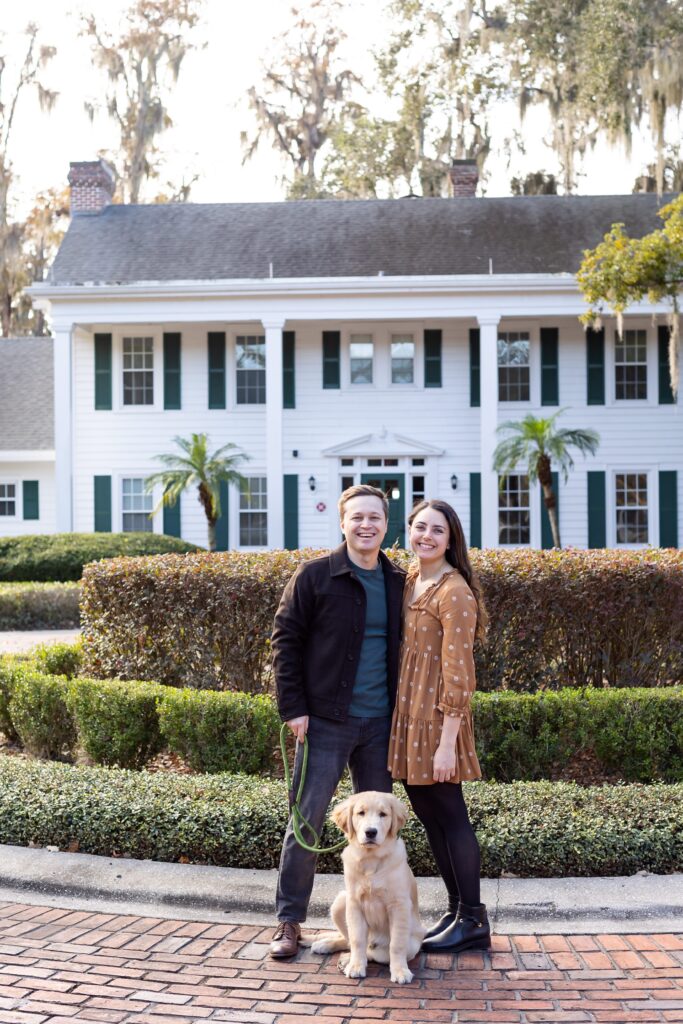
<point x="318" y="632"/>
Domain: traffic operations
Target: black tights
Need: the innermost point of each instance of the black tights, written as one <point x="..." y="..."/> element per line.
<point x="442" y="810"/>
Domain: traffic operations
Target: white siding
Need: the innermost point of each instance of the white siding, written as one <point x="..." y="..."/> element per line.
<point x="16" y="472"/>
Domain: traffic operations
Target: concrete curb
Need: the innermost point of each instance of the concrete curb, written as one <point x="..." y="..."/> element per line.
<point x="642" y="902"/>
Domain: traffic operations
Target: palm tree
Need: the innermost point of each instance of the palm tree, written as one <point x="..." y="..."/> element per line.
<point x="538" y="443"/>
<point x="196" y="466"/>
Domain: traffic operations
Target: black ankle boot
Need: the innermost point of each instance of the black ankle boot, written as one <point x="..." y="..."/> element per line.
<point x="445" y="921"/>
<point x="469" y="930"/>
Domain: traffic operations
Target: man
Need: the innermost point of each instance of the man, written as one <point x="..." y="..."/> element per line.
<point x="335" y="657"/>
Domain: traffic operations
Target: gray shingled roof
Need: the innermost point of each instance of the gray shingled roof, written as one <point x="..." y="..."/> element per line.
<point x="333" y="238"/>
<point x="26" y="394"/>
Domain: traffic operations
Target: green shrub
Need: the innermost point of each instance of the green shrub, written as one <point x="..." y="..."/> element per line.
<point x="39" y="713"/>
<point x="530" y="829"/>
<point x="10" y="669"/>
<point x="61" y="556"/>
<point x="220" y="732"/>
<point x="60" y="659"/>
<point x="637" y="732"/>
<point x="117" y="722"/>
<point x="558" y="618"/>
<point x="39" y="605"/>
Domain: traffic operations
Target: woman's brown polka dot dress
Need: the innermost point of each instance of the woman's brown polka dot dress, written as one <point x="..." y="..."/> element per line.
<point x="436" y="679"/>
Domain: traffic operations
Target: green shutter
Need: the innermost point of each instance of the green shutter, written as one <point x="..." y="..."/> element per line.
<point x="597" y="509"/>
<point x="546" y="532"/>
<point x="550" y="370"/>
<point x="30" y="499"/>
<point x="475" y="510"/>
<point x="216" y="369"/>
<point x="668" y="508"/>
<point x="666" y="395"/>
<point x="595" y="366"/>
<point x="288" y="378"/>
<point x="331" y="359"/>
<point x="222" y="535"/>
<point x="291" y="484"/>
<point x="432" y="347"/>
<point x="103" y="371"/>
<point x="102" y="504"/>
<point x="172" y="520"/>
<point x="172" y="371"/>
<point x="475" y="366"/>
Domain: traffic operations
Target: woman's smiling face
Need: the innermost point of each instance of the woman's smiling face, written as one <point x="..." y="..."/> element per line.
<point x="429" y="535"/>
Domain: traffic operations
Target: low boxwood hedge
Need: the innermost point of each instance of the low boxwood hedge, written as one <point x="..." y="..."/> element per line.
<point x="40" y="714"/>
<point x="536" y="829"/>
<point x="39" y="605"/>
<point x="558" y="618"/>
<point x="61" y="556"/>
<point x="635" y="732"/>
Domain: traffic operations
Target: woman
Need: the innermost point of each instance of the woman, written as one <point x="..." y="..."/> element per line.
<point x="432" y="742"/>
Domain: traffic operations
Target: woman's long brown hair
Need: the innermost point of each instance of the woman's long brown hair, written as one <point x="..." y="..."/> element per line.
<point x="457" y="555"/>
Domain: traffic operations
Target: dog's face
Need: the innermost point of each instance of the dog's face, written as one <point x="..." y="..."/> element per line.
<point x="370" y="819"/>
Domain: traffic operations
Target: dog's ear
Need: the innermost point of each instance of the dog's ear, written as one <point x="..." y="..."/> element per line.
<point x="399" y="815"/>
<point x="342" y="816"/>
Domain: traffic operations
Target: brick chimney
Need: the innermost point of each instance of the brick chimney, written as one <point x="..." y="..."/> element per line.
<point x="464" y="177"/>
<point x="92" y="185"/>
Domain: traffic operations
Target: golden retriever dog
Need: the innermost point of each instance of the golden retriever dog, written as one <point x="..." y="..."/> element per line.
<point x="376" y="915"/>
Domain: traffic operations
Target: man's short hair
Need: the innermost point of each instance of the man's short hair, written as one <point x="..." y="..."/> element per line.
<point x="356" y="491"/>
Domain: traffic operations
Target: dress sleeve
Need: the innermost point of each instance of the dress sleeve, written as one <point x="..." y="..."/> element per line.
<point x="458" y="617"/>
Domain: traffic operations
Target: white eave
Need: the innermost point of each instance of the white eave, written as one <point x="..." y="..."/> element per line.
<point x="27" y="455"/>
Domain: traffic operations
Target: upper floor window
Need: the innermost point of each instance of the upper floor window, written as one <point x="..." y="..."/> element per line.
<point x="136" y="506"/>
<point x="250" y="353"/>
<point x="513" y="366"/>
<point x="360" y="353"/>
<point x="8" y="499"/>
<point x="513" y="510"/>
<point x="402" y="359"/>
<point x="254" y="512"/>
<point x="630" y="365"/>
<point x="138" y="371"/>
<point x="631" y="508"/>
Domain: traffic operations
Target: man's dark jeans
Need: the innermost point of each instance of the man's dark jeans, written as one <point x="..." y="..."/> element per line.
<point x="362" y="743"/>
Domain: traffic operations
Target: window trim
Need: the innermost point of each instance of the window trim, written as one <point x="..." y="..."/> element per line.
<point x="648" y="369"/>
<point x="652" y="364"/>
<point x="652" y="506"/>
<point x="371" y="339"/>
<point x="263" y="475"/>
<point x="232" y="369"/>
<point x="117" y="497"/>
<point x="534" y="375"/>
<point x="156" y="334"/>
<point x="403" y="336"/>
<point x="534" y="518"/>
<point x="12" y="482"/>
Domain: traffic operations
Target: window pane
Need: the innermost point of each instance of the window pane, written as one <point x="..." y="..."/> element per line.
<point x="630" y="365"/>
<point x="253" y="512"/>
<point x="250" y="355"/>
<point x="513" y="366"/>
<point x="138" y="371"/>
<point x="8" y="504"/>
<point x="361" y="354"/>
<point x="402" y="359"/>
<point x="631" y="508"/>
<point x="513" y="510"/>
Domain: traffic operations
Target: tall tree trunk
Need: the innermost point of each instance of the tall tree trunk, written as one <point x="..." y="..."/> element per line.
<point x="545" y="477"/>
<point x="212" y="534"/>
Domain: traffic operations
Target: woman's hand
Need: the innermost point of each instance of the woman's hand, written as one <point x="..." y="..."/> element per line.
<point x="444" y="763"/>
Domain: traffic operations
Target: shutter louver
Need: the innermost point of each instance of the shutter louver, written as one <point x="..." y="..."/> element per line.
<point x="597" y="509"/>
<point x="331" y="359"/>
<point x="172" y="371"/>
<point x="31" y="505"/>
<point x="550" y="369"/>
<point x="216" y="369"/>
<point x="595" y="367"/>
<point x="288" y="376"/>
<point x="102" y="497"/>
<point x="432" y="358"/>
<point x="668" y="508"/>
<point x="666" y="395"/>
<point x="103" y="372"/>
<point x="475" y="367"/>
<point x="291" y="486"/>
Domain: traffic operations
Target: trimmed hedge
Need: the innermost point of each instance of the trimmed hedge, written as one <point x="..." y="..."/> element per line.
<point x="61" y="556"/>
<point x="60" y="659"/>
<point x="530" y="829"/>
<point x="39" y="605"/>
<point x="558" y="618"/>
<point x="40" y="714"/>
<point x="635" y="732"/>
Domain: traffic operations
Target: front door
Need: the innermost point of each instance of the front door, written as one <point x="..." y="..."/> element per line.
<point x="394" y="487"/>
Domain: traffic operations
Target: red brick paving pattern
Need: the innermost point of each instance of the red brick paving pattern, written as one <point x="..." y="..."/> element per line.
<point x="64" y="967"/>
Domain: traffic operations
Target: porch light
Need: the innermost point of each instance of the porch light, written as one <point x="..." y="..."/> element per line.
<point x="395" y="493"/>
<point x="311" y="482"/>
<point x="454" y="482"/>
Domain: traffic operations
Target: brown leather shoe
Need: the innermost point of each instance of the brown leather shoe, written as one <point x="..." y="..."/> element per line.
<point x="286" y="940"/>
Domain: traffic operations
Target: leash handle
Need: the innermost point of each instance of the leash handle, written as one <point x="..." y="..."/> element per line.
<point x="299" y="822"/>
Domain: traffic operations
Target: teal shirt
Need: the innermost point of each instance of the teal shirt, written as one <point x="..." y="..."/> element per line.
<point x="370" y="695"/>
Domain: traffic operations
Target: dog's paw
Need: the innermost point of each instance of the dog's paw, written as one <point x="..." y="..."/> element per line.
<point x="327" y="944"/>
<point x="401" y="975"/>
<point x="354" y="968"/>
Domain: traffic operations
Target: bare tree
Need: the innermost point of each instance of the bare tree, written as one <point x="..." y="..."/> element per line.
<point x="302" y="94"/>
<point x="14" y="273"/>
<point x="138" y="64"/>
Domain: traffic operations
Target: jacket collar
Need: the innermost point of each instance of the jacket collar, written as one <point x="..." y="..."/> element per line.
<point x="340" y="562"/>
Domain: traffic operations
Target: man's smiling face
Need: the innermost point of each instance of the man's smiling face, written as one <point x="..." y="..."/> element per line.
<point x="364" y="524"/>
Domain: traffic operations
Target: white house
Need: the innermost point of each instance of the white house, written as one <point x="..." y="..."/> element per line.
<point x="339" y="342"/>
<point x="27" y="449"/>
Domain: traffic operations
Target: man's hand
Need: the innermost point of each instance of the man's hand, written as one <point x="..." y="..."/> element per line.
<point x="299" y="727"/>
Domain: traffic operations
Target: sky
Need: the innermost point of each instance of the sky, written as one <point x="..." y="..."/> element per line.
<point x="208" y="105"/>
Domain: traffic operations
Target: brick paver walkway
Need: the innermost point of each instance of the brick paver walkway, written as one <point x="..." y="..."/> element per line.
<point x="61" y="966"/>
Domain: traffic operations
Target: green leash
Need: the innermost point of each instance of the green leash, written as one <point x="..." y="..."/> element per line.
<point x="299" y="823"/>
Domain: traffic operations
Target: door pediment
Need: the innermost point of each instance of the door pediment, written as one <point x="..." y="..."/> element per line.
<point x="382" y="445"/>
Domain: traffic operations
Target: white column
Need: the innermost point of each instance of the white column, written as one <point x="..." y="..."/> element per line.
<point x="274" y="464"/>
<point x="63" y="423"/>
<point x="488" y="361"/>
